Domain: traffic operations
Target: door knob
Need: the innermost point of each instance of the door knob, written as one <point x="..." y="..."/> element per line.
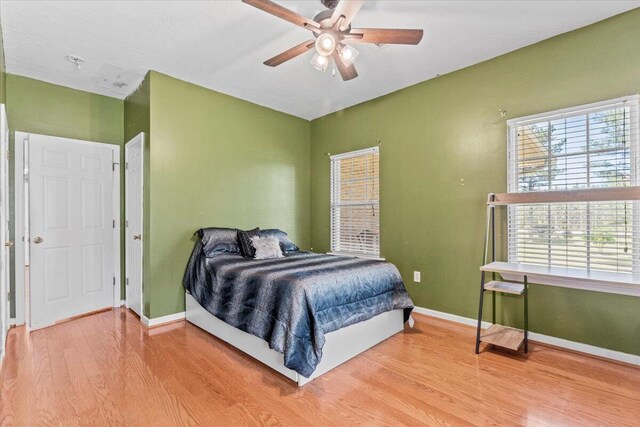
<point x="38" y="240"/>
<point x="137" y="237"/>
<point x="9" y="244"/>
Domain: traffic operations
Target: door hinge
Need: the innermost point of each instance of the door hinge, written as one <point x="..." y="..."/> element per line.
<point x="114" y="223"/>
<point x="114" y="281"/>
<point x="127" y="281"/>
<point x="9" y="295"/>
<point x="126" y="223"/>
<point x="8" y="154"/>
<point x="126" y="166"/>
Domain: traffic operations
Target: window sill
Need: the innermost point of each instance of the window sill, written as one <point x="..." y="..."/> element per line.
<point x="356" y="255"/>
<point x="599" y="281"/>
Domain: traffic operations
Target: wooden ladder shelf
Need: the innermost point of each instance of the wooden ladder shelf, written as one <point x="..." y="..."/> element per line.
<point x="499" y="335"/>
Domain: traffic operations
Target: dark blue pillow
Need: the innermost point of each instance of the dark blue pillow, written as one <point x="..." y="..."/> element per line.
<point x="244" y="240"/>
<point x="285" y="244"/>
<point x="219" y="240"/>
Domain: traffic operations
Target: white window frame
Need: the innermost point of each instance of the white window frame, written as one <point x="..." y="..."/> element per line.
<point x="335" y="178"/>
<point x="634" y="147"/>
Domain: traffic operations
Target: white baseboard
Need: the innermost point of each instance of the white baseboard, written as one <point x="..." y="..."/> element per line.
<point x="163" y="319"/>
<point x="13" y="321"/>
<point x="544" y="339"/>
<point x="449" y="316"/>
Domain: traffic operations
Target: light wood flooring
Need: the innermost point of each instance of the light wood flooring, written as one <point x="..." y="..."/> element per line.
<point x="107" y="369"/>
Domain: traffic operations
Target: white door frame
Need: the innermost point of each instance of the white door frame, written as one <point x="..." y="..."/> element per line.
<point x="138" y="138"/>
<point x="19" y="147"/>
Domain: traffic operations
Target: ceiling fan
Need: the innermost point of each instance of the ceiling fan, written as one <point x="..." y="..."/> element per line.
<point x="334" y="35"/>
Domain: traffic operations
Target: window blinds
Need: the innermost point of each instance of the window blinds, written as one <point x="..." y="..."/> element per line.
<point x="593" y="147"/>
<point x="355" y="203"/>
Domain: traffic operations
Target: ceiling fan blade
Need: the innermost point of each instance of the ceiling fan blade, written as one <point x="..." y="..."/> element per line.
<point x="282" y="12"/>
<point x="384" y="36"/>
<point x="347" y="73"/>
<point x="348" y="9"/>
<point x="290" y="54"/>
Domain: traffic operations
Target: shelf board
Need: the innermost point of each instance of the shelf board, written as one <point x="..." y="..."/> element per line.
<point x="563" y="196"/>
<point x="503" y="336"/>
<point x="599" y="281"/>
<point x="505" y="287"/>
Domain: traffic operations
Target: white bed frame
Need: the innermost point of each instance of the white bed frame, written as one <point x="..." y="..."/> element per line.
<point x="340" y="345"/>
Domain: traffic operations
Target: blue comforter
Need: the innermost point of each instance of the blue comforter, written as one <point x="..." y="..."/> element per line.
<point x="293" y="302"/>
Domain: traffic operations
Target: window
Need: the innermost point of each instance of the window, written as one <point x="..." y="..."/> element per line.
<point x="355" y="203"/>
<point x="594" y="146"/>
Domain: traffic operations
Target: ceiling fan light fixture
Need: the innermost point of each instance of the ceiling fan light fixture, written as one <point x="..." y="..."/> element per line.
<point x="329" y="28"/>
<point x="320" y="62"/>
<point x="325" y="44"/>
<point x="348" y="54"/>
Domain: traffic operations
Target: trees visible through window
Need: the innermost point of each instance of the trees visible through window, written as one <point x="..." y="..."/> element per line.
<point x="587" y="147"/>
<point x="355" y="203"/>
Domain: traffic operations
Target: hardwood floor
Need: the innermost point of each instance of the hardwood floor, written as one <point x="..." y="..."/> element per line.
<point x="108" y="369"/>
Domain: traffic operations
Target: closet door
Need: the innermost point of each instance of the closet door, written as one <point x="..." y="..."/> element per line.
<point x="71" y="219"/>
<point x="134" y="150"/>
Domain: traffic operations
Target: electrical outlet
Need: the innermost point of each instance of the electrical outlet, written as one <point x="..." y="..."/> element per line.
<point x="416" y="276"/>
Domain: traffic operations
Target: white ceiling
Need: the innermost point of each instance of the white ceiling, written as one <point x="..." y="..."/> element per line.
<point x="221" y="44"/>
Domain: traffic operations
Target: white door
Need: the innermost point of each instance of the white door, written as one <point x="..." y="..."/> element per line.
<point x="72" y="267"/>
<point x="5" y="244"/>
<point x="133" y="208"/>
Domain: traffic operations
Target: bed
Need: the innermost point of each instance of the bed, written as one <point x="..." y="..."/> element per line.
<point x="302" y="314"/>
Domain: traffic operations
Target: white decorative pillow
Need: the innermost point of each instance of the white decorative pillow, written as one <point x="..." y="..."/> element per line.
<point x="266" y="247"/>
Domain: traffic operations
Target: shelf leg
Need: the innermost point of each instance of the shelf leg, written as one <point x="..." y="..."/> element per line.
<point x="526" y="315"/>
<point x="493" y="307"/>
<point x="493" y="259"/>
<point x="480" y="313"/>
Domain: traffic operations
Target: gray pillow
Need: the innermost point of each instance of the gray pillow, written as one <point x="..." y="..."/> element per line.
<point x="217" y="240"/>
<point x="285" y="244"/>
<point x="266" y="247"/>
<point x="244" y="240"/>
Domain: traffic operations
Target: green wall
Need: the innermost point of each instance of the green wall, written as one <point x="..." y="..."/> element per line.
<point x="136" y="110"/>
<point x="216" y="160"/>
<point x="444" y="148"/>
<point x="38" y="107"/>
